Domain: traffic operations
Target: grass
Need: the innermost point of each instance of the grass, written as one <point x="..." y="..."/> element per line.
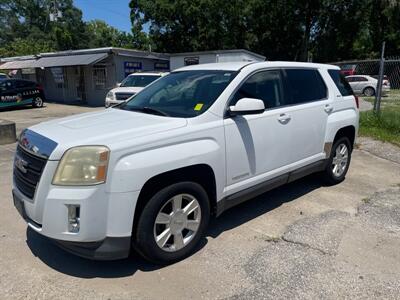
<point x="386" y="126"/>
<point x="366" y="200"/>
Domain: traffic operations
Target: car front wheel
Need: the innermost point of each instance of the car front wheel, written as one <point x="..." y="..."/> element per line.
<point x="172" y="223"/>
<point x="37" y="102"/>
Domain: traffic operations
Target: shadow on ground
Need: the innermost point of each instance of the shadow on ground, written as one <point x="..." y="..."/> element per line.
<point x="21" y="107"/>
<point x="72" y="265"/>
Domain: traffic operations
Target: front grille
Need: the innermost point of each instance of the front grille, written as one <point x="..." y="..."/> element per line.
<point x="28" y="172"/>
<point x="123" y="96"/>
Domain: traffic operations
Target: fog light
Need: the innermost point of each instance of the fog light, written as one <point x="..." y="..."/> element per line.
<point x="73" y="218"/>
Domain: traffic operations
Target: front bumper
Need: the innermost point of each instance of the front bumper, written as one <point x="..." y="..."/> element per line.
<point x="109" y="248"/>
<point x="112" y="102"/>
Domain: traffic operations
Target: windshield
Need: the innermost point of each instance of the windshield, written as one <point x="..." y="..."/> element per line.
<point x="138" y="80"/>
<point x="181" y="94"/>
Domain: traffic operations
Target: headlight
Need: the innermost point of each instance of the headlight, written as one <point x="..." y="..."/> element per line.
<point x="86" y="165"/>
<point x="110" y="95"/>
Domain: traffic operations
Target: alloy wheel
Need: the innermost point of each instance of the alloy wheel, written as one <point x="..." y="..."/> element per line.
<point x="369" y="92"/>
<point x="38" y="102"/>
<point x="340" y="160"/>
<point x="177" y="222"/>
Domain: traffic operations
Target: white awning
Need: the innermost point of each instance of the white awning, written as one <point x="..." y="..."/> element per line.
<point x="69" y="60"/>
<point x="18" y="64"/>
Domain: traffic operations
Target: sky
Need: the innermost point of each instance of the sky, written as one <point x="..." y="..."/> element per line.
<point x="113" y="12"/>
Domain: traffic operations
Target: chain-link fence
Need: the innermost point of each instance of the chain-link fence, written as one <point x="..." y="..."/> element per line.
<point x="384" y="124"/>
<point x="371" y="67"/>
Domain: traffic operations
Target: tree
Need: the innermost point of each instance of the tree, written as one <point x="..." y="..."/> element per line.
<point x="25" y="22"/>
<point x="327" y="30"/>
<point x="103" y="35"/>
<point x="190" y="25"/>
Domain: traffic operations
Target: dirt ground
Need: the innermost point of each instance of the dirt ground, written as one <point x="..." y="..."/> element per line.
<point x="304" y="240"/>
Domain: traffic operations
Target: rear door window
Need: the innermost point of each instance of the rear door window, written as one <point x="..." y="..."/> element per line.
<point x="341" y="82"/>
<point x="303" y="85"/>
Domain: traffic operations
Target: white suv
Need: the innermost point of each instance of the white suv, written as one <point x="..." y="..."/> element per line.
<point x="149" y="174"/>
<point x="130" y="86"/>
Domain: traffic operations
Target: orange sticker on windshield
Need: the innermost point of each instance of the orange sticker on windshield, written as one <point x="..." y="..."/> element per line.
<point x="198" y="106"/>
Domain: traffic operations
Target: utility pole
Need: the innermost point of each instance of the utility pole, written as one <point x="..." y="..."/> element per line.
<point x="378" y="94"/>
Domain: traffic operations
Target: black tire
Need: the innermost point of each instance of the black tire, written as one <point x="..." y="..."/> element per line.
<point x="329" y="175"/>
<point x="369" y="91"/>
<point x="144" y="240"/>
<point x="37" y="102"/>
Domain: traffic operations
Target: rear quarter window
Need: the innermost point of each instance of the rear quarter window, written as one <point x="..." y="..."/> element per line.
<point x="341" y="82"/>
<point x="303" y="85"/>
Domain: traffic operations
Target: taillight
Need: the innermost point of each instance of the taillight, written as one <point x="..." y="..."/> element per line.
<point x="39" y="87"/>
<point x="357" y="103"/>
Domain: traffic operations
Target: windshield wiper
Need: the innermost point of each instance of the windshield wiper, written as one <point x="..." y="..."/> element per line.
<point x="147" y="110"/>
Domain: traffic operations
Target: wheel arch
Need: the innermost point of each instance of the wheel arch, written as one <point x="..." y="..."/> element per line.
<point x="368" y="87"/>
<point x="202" y="174"/>
<point x="347" y="131"/>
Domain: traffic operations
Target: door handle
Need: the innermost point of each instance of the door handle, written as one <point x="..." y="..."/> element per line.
<point x="328" y="108"/>
<point x="284" y="118"/>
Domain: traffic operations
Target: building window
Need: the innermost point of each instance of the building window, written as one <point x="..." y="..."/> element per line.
<point x="99" y="78"/>
<point x="161" y="65"/>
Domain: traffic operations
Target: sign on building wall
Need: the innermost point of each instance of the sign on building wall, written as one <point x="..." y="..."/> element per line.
<point x="132" y="67"/>
<point x="164" y="65"/>
<point x="58" y="74"/>
<point x="29" y="71"/>
<point x="192" y="60"/>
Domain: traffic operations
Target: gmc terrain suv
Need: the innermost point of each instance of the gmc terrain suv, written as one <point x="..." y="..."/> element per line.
<point x="149" y="173"/>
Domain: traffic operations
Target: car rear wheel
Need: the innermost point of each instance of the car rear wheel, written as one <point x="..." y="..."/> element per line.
<point x="338" y="162"/>
<point x="369" y="91"/>
<point x="172" y="223"/>
<point x="37" y="102"/>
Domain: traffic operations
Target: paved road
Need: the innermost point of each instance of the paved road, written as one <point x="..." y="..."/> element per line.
<point x="304" y="240"/>
<point x="27" y="116"/>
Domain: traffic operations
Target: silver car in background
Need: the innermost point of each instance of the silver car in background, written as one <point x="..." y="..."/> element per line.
<point x="366" y="85"/>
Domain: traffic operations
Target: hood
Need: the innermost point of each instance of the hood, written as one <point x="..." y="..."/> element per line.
<point x="129" y="89"/>
<point x="104" y="127"/>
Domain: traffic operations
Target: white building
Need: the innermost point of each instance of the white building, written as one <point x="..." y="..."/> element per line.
<point x="178" y="60"/>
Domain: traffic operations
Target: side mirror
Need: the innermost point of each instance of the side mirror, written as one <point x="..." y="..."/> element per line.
<point x="247" y="106"/>
<point x="118" y="84"/>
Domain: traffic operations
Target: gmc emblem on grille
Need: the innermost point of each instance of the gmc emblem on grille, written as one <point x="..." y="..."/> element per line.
<point x="20" y="164"/>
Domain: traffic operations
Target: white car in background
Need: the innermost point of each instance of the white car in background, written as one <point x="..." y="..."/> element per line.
<point x="130" y="86"/>
<point x="366" y="85"/>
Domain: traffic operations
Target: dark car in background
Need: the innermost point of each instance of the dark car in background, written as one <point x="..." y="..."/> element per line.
<point x="16" y="92"/>
<point x="3" y="76"/>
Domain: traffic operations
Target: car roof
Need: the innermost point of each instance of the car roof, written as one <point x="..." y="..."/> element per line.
<point x="148" y="74"/>
<point x="225" y="66"/>
<point x="236" y="66"/>
<point x="360" y="75"/>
